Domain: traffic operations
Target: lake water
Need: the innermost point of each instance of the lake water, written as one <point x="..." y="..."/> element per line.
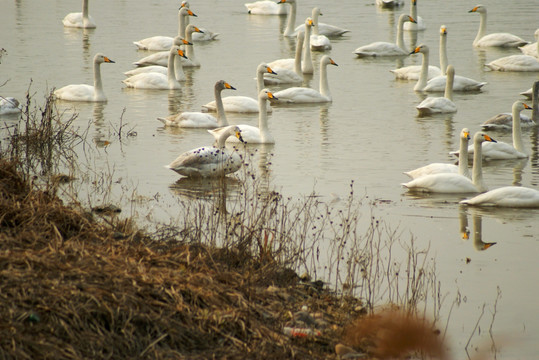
<point x="369" y="134"/>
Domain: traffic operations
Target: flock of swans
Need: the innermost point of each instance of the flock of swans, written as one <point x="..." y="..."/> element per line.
<point x="164" y="70"/>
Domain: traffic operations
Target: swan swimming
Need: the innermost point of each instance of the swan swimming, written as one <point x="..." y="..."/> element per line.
<point x="323" y="28"/>
<point x="419" y="25"/>
<point x="494" y="39"/>
<point x="319" y="42"/>
<point x="437" y="168"/>
<point x="265" y="7"/>
<point x="507" y="196"/>
<point x="202" y="35"/>
<point x="80" y="19"/>
<point x="288" y="71"/>
<point x="9" y="105"/>
<point x="455" y="183"/>
<point x="209" y="161"/>
<point x="298" y="95"/>
<point x="438" y="105"/>
<point x="253" y="134"/>
<point x="189" y="119"/>
<point x="504" y="121"/>
<point x="382" y="48"/>
<point x="532" y="49"/>
<point x="83" y="92"/>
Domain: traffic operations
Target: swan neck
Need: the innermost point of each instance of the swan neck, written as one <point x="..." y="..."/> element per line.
<point x="443" y="54"/>
<point x="423" y="75"/>
<point x="183" y="21"/>
<point x="98" y="85"/>
<point x="517" y="132"/>
<point x="535" y="101"/>
<point x="291" y="23"/>
<point x="324" y="85"/>
<point x="221" y="140"/>
<point x="463" y="158"/>
<point x="297" y="58"/>
<point x="400" y="33"/>
<point x="221" y="115"/>
<point x="85" y="9"/>
<point x="307" y="58"/>
<point x="259" y="79"/>
<point x="315" y="22"/>
<point x="477" y="171"/>
<point x="413" y="11"/>
<point x="171" y="73"/>
<point x="189" y="49"/>
<point x="450" y="79"/>
<point x="262" y="117"/>
<point x="482" y="27"/>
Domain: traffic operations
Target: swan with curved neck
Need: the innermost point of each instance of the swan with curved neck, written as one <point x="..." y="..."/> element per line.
<point x="203" y="35"/>
<point x="191" y="60"/>
<point x="382" y="48"/>
<point x="420" y="23"/>
<point x="244" y="104"/>
<point x="85" y="92"/>
<point x="80" y="20"/>
<point x="504" y="121"/>
<point x="319" y="42"/>
<point x="253" y="134"/>
<point x="189" y="119"/>
<point x="307" y="95"/>
<point x="437" y="105"/>
<point x="211" y="161"/>
<point x="437" y="168"/>
<point x="155" y="80"/>
<point x="494" y="39"/>
<point x="438" y="83"/>
<point x="291" y="18"/>
<point x="164" y="43"/>
<point x="288" y="71"/>
<point x="455" y="183"/>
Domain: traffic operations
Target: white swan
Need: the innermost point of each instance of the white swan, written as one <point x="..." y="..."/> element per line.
<point x="494" y="39"/>
<point x="202" y="35"/>
<point x="318" y="42"/>
<point x="507" y="196"/>
<point x="158" y="81"/>
<point x="190" y="119"/>
<point x="412" y="72"/>
<point x="265" y="7"/>
<point x="80" y="19"/>
<point x="515" y="63"/>
<point x="437" y="83"/>
<point x="501" y="150"/>
<point x="9" y="105"/>
<point x="299" y="95"/>
<point x="243" y="104"/>
<point x="323" y="28"/>
<point x="437" y="168"/>
<point x="210" y="161"/>
<point x="291" y="18"/>
<point x="504" y="121"/>
<point x="253" y="134"/>
<point x="381" y="48"/>
<point x="191" y="60"/>
<point x="437" y="105"/>
<point x="160" y="58"/>
<point x="451" y="182"/>
<point x="533" y="48"/>
<point x="419" y="25"/>
<point x="83" y="92"/>
<point x="389" y="4"/>
<point x="164" y="43"/>
<point x="287" y="71"/>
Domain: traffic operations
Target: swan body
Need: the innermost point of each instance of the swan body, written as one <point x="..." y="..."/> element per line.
<point x="80" y="19"/>
<point x="494" y="39"/>
<point x="210" y="161"/>
<point x="501" y="150"/>
<point x="191" y="119"/>
<point x="438" y="105"/>
<point x="389" y="4"/>
<point x="504" y="121"/>
<point x="451" y="182"/>
<point x="164" y="43"/>
<point x="508" y="196"/>
<point x="287" y="71"/>
<point x="515" y="63"/>
<point x="155" y="80"/>
<point x="152" y="68"/>
<point x="253" y="134"/>
<point x="83" y="92"/>
<point x="9" y="105"/>
<point x="381" y="48"/>
<point x="419" y="25"/>
<point x="531" y="49"/>
<point x="437" y="84"/>
<point x="243" y="104"/>
<point x="437" y="168"/>
<point x="265" y="7"/>
<point x="323" y="29"/>
<point x="319" y="42"/>
<point x="307" y="95"/>
<point x="203" y="35"/>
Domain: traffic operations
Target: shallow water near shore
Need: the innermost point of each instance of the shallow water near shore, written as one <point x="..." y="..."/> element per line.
<point x="368" y="135"/>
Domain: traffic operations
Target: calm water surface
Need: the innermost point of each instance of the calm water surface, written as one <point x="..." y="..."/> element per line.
<point x="370" y="134"/>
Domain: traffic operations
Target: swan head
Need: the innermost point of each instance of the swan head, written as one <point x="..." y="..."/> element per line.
<point x="520" y="105"/>
<point x="185" y="4"/>
<point x="286" y="1"/>
<point x="405" y="18"/>
<point x="179" y="51"/>
<point x="479" y="9"/>
<point x="414" y="2"/>
<point x="326" y="60"/>
<point x="192" y="28"/>
<point x="443" y="30"/>
<point x="184" y="11"/>
<point x="100" y="58"/>
<point x="424" y="49"/>
<point x="265" y="94"/>
<point x="316" y="12"/>
<point x="309" y="22"/>
<point x="236" y="131"/>
<point x="221" y="85"/>
<point x="265" y="68"/>
<point x="481" y="137"/>
<point x="465" y="134"/>
<point x="178" y="40"/>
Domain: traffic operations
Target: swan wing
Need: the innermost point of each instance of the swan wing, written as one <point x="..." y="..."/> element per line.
<point x="152" y="68"/>
<point x="504" y="121"/>
<point x="159" y="58"/>
<point x="380" y="48"/>
<point x="460" y="83"/>
<point x="238" y="104"/>
<point x="148" y="80"/>
<point x="412" y="72"/>
<point x="434" y="105"/>
<point x="189" y="119"/>
<point x="266" y="7"/>
<point x="75" y="92"/>
<point x="501" y="40"/>
<point x="508" y="196"/>
<point x="320" y="43"/>
<point x="75" y="20"/>
<point x="9" y="105"/>
<point x="283" y="76"/>
<point x="206" y="162"/>
<point x="155" y="43"/>
<point x="442" y="183"/>
<point x="299" y="95"/>
<point x="434" y="168"/>
<point x="515" y="63"/>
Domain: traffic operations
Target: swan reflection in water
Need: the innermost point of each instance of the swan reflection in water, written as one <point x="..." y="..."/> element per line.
<point x="477" y="235"/>
<point x="207" y="188"/>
